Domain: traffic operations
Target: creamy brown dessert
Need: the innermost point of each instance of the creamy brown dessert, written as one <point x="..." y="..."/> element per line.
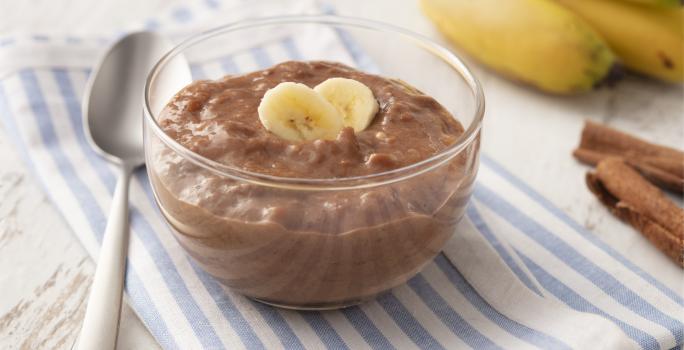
<point x="322" y="246"/>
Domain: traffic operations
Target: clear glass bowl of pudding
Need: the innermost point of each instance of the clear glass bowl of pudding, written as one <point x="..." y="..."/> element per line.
<point x="313" y="224"/>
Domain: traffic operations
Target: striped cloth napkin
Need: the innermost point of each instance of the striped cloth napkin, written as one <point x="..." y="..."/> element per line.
<point x="519" y="274"/>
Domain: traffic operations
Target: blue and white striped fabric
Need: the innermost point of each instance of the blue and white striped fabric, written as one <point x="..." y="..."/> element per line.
<point x="548" y="284"/>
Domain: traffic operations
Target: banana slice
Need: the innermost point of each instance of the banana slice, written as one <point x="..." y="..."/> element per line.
<point x="354" y="100"/>
<point x="296" y="112"/>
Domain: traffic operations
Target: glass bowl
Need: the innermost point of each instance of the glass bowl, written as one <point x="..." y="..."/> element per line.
<point x="308" y="243"/>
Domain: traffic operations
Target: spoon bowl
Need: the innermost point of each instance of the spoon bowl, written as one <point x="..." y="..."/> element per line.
<point x="112" y="104"/>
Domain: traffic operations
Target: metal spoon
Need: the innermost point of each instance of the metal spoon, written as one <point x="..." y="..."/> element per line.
<point x="112" y="119"/>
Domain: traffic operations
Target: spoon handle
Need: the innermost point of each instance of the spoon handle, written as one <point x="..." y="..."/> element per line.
<point x="101" y="322"/>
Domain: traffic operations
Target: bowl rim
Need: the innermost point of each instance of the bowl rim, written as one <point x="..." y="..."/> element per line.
<point x="340" y="183"/>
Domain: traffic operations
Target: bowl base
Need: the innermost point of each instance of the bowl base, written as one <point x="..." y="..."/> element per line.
<point x="314" y="307"/>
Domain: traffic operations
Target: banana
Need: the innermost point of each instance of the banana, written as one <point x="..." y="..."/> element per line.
<point x="296" y="112"/>
<point x="354" y="100"/>
<point x="649" y="40"/>
<point x="662" y="3"/>
<point x="535" y="41"/>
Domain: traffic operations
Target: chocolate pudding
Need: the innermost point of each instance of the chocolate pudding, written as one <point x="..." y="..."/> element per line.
<point x="357" y="223"/>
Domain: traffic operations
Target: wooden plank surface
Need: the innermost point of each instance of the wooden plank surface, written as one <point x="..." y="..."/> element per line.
<point x="45" y="273"/>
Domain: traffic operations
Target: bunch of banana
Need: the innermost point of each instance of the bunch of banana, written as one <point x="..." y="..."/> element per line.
<point x="648" y="39"/>
<point x="297" y="112"/>
<point x="566" y="46"/>
<point x="662" y="3"/>
<point x="537" y="41"/>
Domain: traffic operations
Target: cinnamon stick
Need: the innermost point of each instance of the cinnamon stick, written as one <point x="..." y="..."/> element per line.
<point x="636" y="201"/>
<point x="664" y="166"/>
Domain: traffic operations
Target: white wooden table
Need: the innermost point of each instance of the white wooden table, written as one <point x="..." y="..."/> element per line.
<point x="45" y="273"/>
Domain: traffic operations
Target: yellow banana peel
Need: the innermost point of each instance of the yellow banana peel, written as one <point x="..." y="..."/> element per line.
<point x="649" y="40"/>
<point x="535" y="41"/>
